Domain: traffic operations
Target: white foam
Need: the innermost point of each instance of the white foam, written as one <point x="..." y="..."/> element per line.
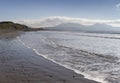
<point x="87" y="76"/>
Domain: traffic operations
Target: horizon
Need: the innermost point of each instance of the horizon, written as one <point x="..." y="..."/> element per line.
<point x="39" y="12"/>
<point x="57" y="20"/>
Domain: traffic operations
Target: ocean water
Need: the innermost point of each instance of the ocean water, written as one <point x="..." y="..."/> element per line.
<point x="96" y="56"/>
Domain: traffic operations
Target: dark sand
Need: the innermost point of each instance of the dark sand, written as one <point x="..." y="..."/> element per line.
<point x="19" y="64"/>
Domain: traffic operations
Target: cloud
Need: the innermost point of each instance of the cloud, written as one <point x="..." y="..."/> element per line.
<point x="56" y="20"/>
<point x="118" y="6"/>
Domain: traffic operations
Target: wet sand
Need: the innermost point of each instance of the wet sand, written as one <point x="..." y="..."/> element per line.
<point x="19" y="64"/>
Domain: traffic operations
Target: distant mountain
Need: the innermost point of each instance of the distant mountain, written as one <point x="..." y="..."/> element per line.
<point x="68" y="27"/>
<point x="56" y="20"/>
<point x="98" y="27"/>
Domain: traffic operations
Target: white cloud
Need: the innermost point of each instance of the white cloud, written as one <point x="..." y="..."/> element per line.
<point x="56" y="20"/>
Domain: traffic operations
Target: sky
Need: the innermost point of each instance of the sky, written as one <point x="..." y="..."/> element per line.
<point x="35" y="9"/>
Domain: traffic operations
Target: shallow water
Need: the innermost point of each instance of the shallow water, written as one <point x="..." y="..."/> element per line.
<point x="96" y="56"/>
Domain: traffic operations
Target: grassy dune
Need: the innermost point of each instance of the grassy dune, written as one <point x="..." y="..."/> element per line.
<point x="8" y="26"/>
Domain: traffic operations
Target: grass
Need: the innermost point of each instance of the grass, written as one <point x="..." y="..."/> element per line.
<point x="12" y="26"/>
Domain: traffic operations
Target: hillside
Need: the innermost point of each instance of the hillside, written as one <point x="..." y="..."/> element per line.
<point x="10" y="26"/>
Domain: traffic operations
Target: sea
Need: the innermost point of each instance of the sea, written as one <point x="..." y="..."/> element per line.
<point x="94" y="55"/>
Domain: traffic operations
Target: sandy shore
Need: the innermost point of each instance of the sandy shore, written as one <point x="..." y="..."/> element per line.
<point x="19" y="64"/>
<point x="10" y="34"/>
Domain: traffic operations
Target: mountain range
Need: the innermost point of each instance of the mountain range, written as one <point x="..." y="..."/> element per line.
<point x="62" y="26"/>
<point x="98" y="28"/>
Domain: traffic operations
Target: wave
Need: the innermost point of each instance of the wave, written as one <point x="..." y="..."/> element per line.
<point x="87" y="76"/>
<point x="98" y="35"/>
<point x="86" y="62"/>
<point x="101" y="37"/>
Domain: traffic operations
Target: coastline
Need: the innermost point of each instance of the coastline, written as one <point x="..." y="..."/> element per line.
<point x="18" y="64"/>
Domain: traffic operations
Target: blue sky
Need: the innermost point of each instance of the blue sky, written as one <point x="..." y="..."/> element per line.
<point x="34" y="9"/>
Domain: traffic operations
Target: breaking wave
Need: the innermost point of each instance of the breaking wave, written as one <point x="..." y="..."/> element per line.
<point x="93" y="64"/>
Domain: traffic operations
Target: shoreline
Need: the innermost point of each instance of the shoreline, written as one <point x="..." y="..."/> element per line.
<point x="65" y="66"/>
<point x="9" y="34"/>
<point x="18" y="64"/>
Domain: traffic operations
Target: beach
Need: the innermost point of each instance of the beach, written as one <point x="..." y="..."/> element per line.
<point x="19" y="64"/>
